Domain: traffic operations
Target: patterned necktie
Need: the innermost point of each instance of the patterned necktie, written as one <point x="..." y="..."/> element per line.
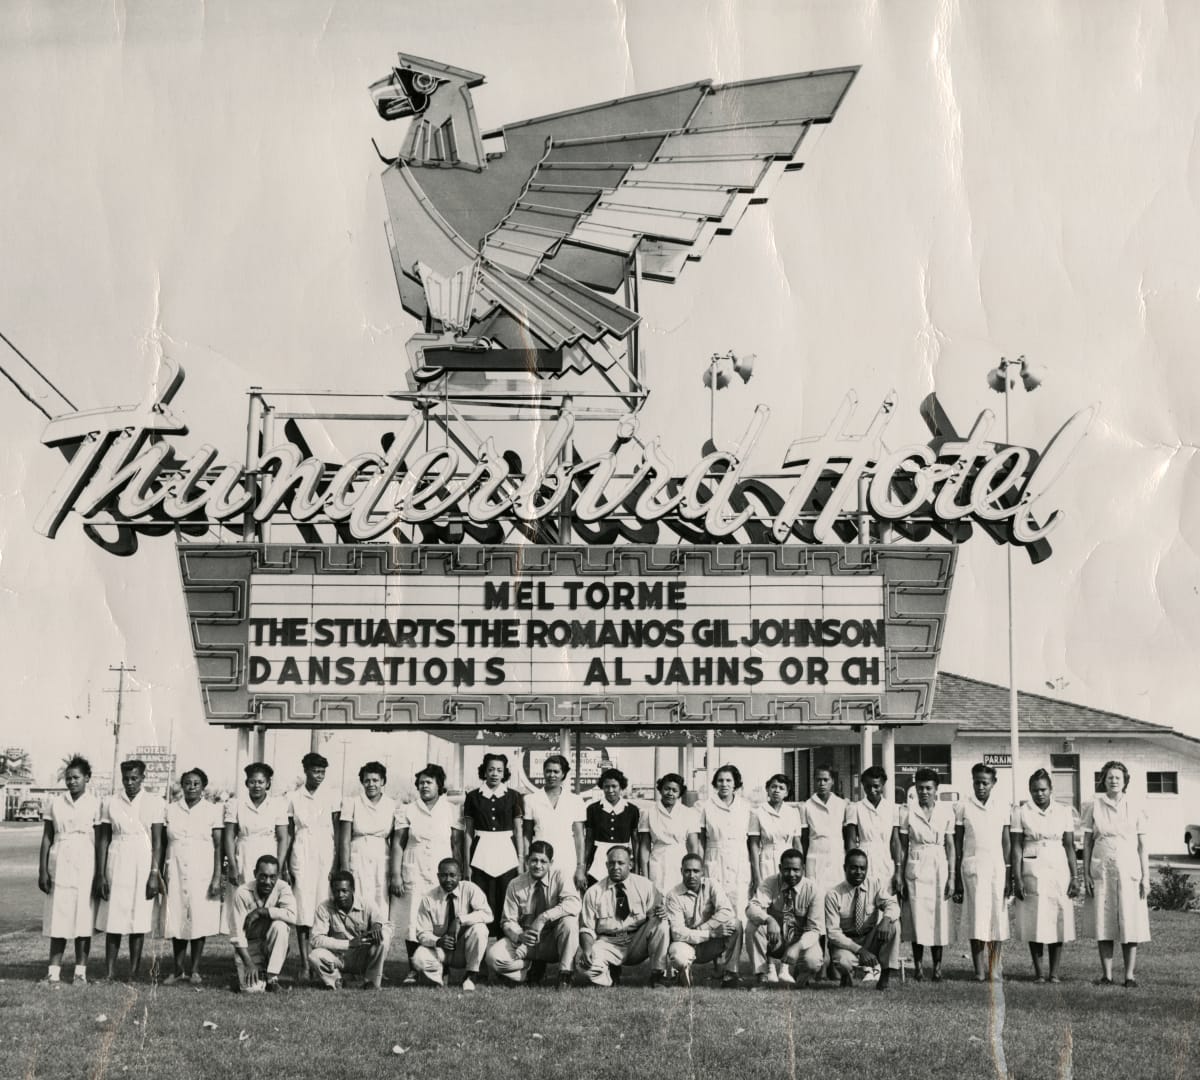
<point x="622" y="900"/>
<point x="451" y="916"/>
<point x="860" y="911"/>
<point x="789" y="901"/>
<point x="540" y="902"/>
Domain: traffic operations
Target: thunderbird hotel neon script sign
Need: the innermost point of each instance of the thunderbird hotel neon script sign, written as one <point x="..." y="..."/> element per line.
<point x="120" y="461"/>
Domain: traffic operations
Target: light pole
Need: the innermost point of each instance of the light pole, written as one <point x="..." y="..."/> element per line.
<point x="718" y="375"/>
<point x="1003" y="379"/>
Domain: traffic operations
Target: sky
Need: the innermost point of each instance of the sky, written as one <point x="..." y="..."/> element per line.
<point x="196" y="180"/>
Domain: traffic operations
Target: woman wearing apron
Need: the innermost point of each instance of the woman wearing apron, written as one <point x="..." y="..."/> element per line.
<point x="610" y="822"/>
<point x="873" y="825"/>
<point x="128" y="867"/>
<point x="493" y="819"/>
<point x="313" y="811"/>
<point x="1117" y="873"/>
<point x="192" y="911"/>
<point x="67" y="869"/>
<point x="255" y="824"/>
<point x="927" y="836"/>
<point x="983" y="843"/>
<point x="667" y="831"/>
<point x="823" y="842"/>
<point x="427" y="831"/>
<point x="1043" y="860"/>
<point x="365" y="836"/>
<point x="728" y="824"/>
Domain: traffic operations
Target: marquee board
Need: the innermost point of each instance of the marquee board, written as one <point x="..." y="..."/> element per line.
<point x="516" y="638"/>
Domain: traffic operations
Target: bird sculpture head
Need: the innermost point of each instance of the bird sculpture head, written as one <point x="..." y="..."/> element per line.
<point x="412" y="84"/>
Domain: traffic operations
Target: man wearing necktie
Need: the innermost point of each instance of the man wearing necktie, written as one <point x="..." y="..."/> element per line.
<point x="862" y="922"/>
<point x="623" y="922"/>
<point x="788" y="916"/>
<point x="703" y="925"/>
<point x="451" y="927"/>
<point x="540" y="922"/>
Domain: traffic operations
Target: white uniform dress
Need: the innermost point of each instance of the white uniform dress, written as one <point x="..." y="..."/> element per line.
<point x="778" y="830"/>
<point x="556" y="825"/>
<point x="984" y="909"/>
<point x="826" y="847"/>
<point x="1046" y="914"/>
<point x="1116" y="912"/>
<point x="925" y="917"/>
<point x="188" y="913"/>
<point x="69" y="910"/>
<point x="875" y="825"/>
<point x="668" y="832"/>
<point x="726" y="857"/>
<point x="313" y="846"/>
<point x="371" y="825"/>
<point x="255" y="838"/>
<point x="430" y="840"/>
<point x="127" y="911"/>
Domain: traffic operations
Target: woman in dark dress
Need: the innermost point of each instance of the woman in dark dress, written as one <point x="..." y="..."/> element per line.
<point x="493" y="819"/>
<point x="611" y="822"/>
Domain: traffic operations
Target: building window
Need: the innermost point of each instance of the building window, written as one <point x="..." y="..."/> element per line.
<point x="1162" y="783"/>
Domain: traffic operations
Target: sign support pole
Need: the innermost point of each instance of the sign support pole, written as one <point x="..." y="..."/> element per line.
<point x="889" y="762"/>
<point x="866" y="747"/>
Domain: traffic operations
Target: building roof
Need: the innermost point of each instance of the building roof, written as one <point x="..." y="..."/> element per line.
<point x="975" y="706"/>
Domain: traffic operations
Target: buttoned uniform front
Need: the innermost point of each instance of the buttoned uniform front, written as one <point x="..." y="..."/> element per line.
<point x="727" y="826"/>
<point x="314" y="844"/>
<point x="559" y="906"/>
<point x="193" y="838"/>
<point x="1047" y="914"/>
<point x="697" y="924"/>
<point x="616" y="940"/>
<point x="611" y="825"/>
<point x="265" y="941"/>
<point x="826" y="846"/>
<point x="555" y="823"/>
<point x="472" y="913"/>
<point x="875" y="826"/>
<point x="866" y="917"/>
<point x="256" y="837"/>
<point x="371" y="825"/>
<point x="69" y="909"/>
<point x="800" y="913"/>
<point x="984" y="870"/>
<point x="130" y="855"/>
<point x="779" y="828"/>
<point x="335" y="951"/>
<point x="925" y="918"/>
<point x="431" y="829"/>
<point x="668" y="832"/>
<point x="1116" y="911"/>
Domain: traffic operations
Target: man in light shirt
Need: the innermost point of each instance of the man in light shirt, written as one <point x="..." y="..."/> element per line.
<point x="540" y="922"/>
<point x="788" y="916"/>
<point x="263" y="913"/>
<point x="862" y="923"/>
<point x="702" y="924"/>
<point x="556" y="815"/>
<point x="451" y="927"/>
<point x="349" y="937"/>
<point x="622" y="923"/>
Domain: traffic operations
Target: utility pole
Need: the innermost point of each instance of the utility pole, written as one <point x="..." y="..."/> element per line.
<point x="121" y="671"/>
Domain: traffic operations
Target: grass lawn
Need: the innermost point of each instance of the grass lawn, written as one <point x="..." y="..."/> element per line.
<point x="956" y="1029"/>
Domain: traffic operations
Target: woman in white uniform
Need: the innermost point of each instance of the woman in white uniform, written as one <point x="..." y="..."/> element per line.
<point x="129" y="855"/>
<point x="365" y="836"/>
<point x="983" y="844"/>
<point x="1116" y="871"/>
<point x="667" y="831"/>
<point x="727" y="824"/>
<point x="192" y="909"/>
<point x="255" y="825"/>
<point x="824" y="814"/>
<point x="67" y="870"/>
<point x="873" y="825"/>
<point x="1043" y="863"/>
<point x="313" y="811"/>
<point x="780" y="826"/>
<point x="927" y="837"/>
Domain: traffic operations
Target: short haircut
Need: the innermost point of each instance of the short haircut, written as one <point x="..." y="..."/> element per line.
<point x="435" y="773"/>
<point x="856" y="851"/>
<point x="923" y="776"/>
<point x="1115" y="765"/>
<point x="80" y="763"/>
<point x="449" y="862"/>
<point x="502" y="758"/>
<point x="827" y="769"/>
<point x="560" y="761"/>
<point x="259" y="767"/>
<point x="691" y="856"/>
<point x="133" y="765"/>
<point x="614" y="774"/>
<point x="791" y="853"/>
<point x="1041" y="774"/>
<point x="266" y="860"/>
<point x="980" y="769"/>
<point x="541" y="847"/>
<point x="199" y="774"/>
<point x="619" y="849"/>
<point x="376" y="767"/>
<point x="733" y="771"/>
<point x="672" y="778"/>
<point x="341" y="875"/>
<point x="313" y="761"/>
<point x="779" y="778"/>
<point x="874" y="772"/>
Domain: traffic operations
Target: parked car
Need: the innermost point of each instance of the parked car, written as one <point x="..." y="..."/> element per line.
<point x="29" y="811"/>
<point x="1191" y="840"/>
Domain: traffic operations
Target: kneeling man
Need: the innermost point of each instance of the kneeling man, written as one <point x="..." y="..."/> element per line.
<point x="702" y="924"/>
<point x="622" y="923"/>
<point x="788" y="916"/>
<point x="540" y="922"/>
<point x="262" y="914"/>
<point x="348" y="937"/>
<point x="451" y="927"/>
<point x="862" y="922"/>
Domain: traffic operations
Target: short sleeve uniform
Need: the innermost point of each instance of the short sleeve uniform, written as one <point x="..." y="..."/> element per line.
<point x="430" y="839"/>
<point x="188" y="913"/>
<point x="371" y="825"/>
<point x="668" y="832"/>
<point x="313" y="845"/>
<point x="875" y="825"/>
<point x="984" y="909"/>
<point x="925" y="917"/>
<point x="127" y="911"/>
<point x="826" y="847"/>
<point x="69" y="910"/>
<point x="726" y="856"/>
<point x="1046" y="914"/>
<point x="1116" y="911"/>
<point x="778" y="830"/>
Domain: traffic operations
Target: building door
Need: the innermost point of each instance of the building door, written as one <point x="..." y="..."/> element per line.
<point x="1064" y="775"/>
